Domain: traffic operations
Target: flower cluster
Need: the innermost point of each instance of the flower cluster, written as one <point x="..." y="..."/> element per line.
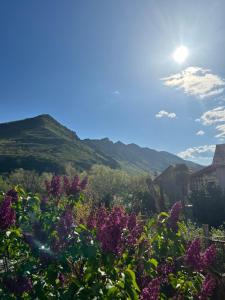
<point x="18" y="285"/>
<point x="58" y="185"/>
<point x="116" y="230"/>
<point x="7" y="214"/>
<point x="208" y="287"/>
<point x="65" y="224"/>
<point x="54" y="186"/>
<point x="152" y="291"/>
<point x="13" y="194"/>
<point x="197" y="260"/>
<point x="164" y="269"/>
<point x="74" y="186"/>
<point x="174" y="215"/>
<point x="208" y="256"/>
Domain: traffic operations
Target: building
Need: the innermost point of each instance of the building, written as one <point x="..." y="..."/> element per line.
<point x="213" y="174"/>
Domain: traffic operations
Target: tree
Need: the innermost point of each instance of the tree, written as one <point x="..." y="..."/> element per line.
<point x="208" y="205"/>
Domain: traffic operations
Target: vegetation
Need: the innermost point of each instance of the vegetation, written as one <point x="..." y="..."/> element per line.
<point x="44" y="145"/>
<point x="209" y="205"/>
<point x="54" y="249"/>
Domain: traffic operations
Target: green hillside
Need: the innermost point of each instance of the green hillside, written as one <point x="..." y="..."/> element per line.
<point x="134" y="158"/>
<point x="43" y="144"/>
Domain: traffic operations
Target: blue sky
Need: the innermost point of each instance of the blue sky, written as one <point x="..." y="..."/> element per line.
<point x="105" y="69"/>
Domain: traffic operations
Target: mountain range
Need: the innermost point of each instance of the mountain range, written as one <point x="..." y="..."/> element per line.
<point x="43" y="144"/>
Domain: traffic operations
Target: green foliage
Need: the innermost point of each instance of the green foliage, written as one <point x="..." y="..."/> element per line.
<point x="208" y="205"/>
<point x="44" y="145"/>
<point x="65" y="259"/>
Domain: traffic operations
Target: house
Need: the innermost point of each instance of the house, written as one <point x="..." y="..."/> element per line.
<point x="213" y="174"/>
<point x="173" y="183"/>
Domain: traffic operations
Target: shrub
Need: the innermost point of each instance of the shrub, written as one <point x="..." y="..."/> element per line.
<point x="112" y="254"/>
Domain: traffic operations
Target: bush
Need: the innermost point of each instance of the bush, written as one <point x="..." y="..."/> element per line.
<point x="208" y="205"/>
<point x="49" y="253"/>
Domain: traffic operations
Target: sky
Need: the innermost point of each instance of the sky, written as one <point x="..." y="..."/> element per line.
<point x="106" y="69"/>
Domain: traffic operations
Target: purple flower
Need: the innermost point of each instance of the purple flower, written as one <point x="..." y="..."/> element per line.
<point x="164" y="269"/>
<point x="75" y="186"/>
<point x="61" y="278"/>
<point x="7" y="214"/>
<point x="152" y="291"/>
<point x="13" y="194"/>
<point x="116" y="230"/>
<point x="208" y="256"/>
<point x="65" y="225"/>
<point x="208" y="287"/>
<point x="84" y="183"/>
<point x="174" y="215"/>
<point x="54" y="187"/>
<point x="192" y="256"/>
<point x="18" y="285"/>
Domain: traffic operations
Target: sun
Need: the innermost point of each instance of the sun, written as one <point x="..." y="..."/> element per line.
<point x="180" y="54"/>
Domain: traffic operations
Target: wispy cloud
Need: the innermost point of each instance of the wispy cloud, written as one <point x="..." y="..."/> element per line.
<point x="197" y="152"/>
<point x="215" y="116"/>
<point x="196" y="81"/>
<point x="200" y="132"/>
<point x="165" y="114"/>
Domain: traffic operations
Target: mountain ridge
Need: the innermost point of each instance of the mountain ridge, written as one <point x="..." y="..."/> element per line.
<point x="44" y="144"/>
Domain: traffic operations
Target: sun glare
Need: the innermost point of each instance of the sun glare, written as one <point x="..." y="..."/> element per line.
<point x="180" y="54"/>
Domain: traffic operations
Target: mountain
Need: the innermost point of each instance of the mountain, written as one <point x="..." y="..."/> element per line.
<point x="43" y="144"/>
<point x="134" y="158"/>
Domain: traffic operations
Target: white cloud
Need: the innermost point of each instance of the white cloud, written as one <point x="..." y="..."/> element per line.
<point x="213" y="116"/>
<point x="200" y="132"/>
<point x="195" y="152"/>
<point x="165" y="114"/>
<point x="221" y="129"/>
<point x="196" y="81"/>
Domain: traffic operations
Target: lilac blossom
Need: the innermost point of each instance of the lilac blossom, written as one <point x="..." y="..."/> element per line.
<point x="7" y="214"/>
<point x="207" y="289"/>
<point x="74" y="186"/>
<point x="13" y="194"/>
<point x="164" y="269"/>
<point x="174" y="215"/>
<point x="116" y="230"/>
<point x="61" y="278"/>
<point x="54" y="187"/>
<point x="192" y="256"/>
<point x="65" y="225"/>
<point x="197" y="260"/>
<point x="208" y="256"/>
<point x="152" y="290"/>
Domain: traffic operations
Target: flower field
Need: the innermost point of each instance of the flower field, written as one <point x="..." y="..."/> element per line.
<point x="47" y="252"/>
